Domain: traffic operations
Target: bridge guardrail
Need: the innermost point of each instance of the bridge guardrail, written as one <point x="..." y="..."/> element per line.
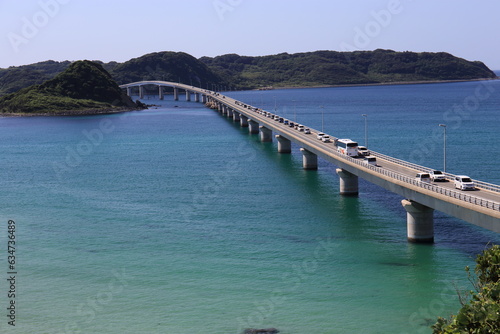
<point x="450" y="177"/>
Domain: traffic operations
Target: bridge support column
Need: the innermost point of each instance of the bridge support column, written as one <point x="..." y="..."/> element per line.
<point x="265" y="134"/>
<point x="236" y="116"/>
<point x="229" y="112"/>
<point x="419" y="222"/>
<point x="176" y="94"/>
<point x="348" y="183"/>
<point x="160" y="92"/>
<point x="129" y="91"/>
<point x="188" y="95"/>
<point x="141" y="92"/>
<point x="253" y="127"/>
<point x="284" y="145"/>
<point x="203" y="98"/>
<point x="196" y="97"/>
<point x="309" y="159"/>
<point x="243" y="121"/>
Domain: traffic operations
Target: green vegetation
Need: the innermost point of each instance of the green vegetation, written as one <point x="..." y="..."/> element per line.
<point x="83" y="87"/>
<point x="319" y="68"/>
<point x="15" y="78"/>
<point x="323" y="68"/>
<point x="482" y="313"/>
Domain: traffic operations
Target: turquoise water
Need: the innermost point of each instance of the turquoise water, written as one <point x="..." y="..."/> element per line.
<point x="176" y="220"/>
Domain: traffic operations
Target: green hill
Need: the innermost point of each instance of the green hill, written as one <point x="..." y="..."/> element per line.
<point x="84" y="87"/>
<point x="319" y="68"/>
<point x="324" y="68"/>
<point x="166" y="66"/>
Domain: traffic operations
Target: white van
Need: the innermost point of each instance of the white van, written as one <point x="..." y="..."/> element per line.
<point x="423" y="177"/>
<point x="463" y="182"/>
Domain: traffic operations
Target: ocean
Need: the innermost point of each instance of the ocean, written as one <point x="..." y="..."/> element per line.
<point x="177" y="220"/>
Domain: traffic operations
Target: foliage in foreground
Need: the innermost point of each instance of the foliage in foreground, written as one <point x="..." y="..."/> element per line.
<point x="482" y="313"/>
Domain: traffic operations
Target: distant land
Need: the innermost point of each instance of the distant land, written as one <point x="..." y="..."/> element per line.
<point x="83" y="87"/>
<point x="235" y="72"/>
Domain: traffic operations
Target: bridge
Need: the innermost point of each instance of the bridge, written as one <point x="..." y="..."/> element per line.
<point x="480" y="207"/>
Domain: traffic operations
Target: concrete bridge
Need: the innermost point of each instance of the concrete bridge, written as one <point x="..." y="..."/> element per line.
<point x="480" y="207"/>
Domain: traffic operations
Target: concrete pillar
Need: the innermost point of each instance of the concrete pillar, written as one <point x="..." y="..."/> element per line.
<point x="230" y="112"/>
<point x="223" y="110"/>
<point x="196" y="97"/>
<point x="265" y="134"/>
<point x="176" y="94"/>
<point x="419" y="222"/>
<point x="188" y="95"/>
<point x="129" y="91"/>
<point x="160" y="92"/>
<point x="348" y="183"/>
<point x="141" y="92"/>
<point x="309" y="159"/>
<point x="253" y="127"/>
<point x="243" y="121"/>
<point x="284" y="145"/>
<point x="236" y="116"/>
<point x="203" y="98"/>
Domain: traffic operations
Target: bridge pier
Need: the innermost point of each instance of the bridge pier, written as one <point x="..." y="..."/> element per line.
<point x="348" y="183"/>
<point x="419" y="222"/>
<point x="243" y="121"/>
<point x="309" y="159"/>
<point x="253" y="127"/>
<point x="284" y="145"/>
<point x="141" y="92"/>
<point x="160" y="92"/>
<point x="229" y="112"/>
<point x="265" y="134"/>
<point x="203" y="98"/>
<point x="129" y="91"/>
<point x="196" y="97"/>
<point x="188" y="95"/>
<point x="176" y="94"/>
<point x="236" y="116"/>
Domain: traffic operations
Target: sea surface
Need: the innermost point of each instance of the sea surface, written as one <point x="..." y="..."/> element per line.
<point x="176" y="220"/>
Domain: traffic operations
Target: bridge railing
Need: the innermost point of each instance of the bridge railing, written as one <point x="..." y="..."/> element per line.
<point x="450" y="177"/>
<point x="430" y="186"/>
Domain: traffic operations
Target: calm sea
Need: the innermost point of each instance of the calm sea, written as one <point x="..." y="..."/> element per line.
<point x="176" y="220"/>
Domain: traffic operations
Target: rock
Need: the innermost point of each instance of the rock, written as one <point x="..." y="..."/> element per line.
<point x="261" y="331"/>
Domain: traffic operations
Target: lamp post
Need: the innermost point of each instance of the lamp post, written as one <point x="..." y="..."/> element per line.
<point x="366" y="129"/>
<point x="322" y="118"/>
<point x="444" y="146"/>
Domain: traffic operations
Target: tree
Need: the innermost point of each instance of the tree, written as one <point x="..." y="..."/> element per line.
<point x="482" y="313"/>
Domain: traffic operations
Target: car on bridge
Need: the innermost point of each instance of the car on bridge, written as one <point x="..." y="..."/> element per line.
<point x="423" y="177"/>
<point x="363" y="151"/>
<point x="307" y="131"/>
<point x="463" y="182"/>
<point x="325" y="139"/>
<point x="320" y="135"/>
<point x="370" y="160"/>
<point x="437" y="176"/>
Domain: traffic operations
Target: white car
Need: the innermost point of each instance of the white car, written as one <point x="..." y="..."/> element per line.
<point x="423" y="177"/>
<point x="370" y="160"/>
<point x="320" y="135"/>
<point x="307" y="131"/>
<point x="325" y="139"/>
<point x="437" y="176"/>
<point x="463" y="182"/>
<point x="363" y="151"/>
<point x="300" y="127"/>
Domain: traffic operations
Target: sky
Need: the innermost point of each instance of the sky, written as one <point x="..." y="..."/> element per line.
<point x="118" y="30"/>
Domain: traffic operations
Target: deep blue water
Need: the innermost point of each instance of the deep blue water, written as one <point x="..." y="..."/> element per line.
<point x="176" y="220"/>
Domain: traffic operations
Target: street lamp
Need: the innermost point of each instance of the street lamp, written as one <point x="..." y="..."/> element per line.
<point x="366" y="129"/>
<point x="322" y="118"/>
<point x="444" y="146"/>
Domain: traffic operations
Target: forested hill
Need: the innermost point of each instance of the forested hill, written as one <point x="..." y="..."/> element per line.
<point x="319" y="68"/>
<point x="333" y="68"/>
<point x="83" y="88"/>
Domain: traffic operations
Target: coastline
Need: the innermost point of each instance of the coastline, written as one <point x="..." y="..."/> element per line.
<point x="84" y="112"/>
<point x="384" y="83"/>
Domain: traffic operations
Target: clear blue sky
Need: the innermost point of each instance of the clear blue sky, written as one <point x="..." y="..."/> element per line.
<point x="33" y="31"/>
